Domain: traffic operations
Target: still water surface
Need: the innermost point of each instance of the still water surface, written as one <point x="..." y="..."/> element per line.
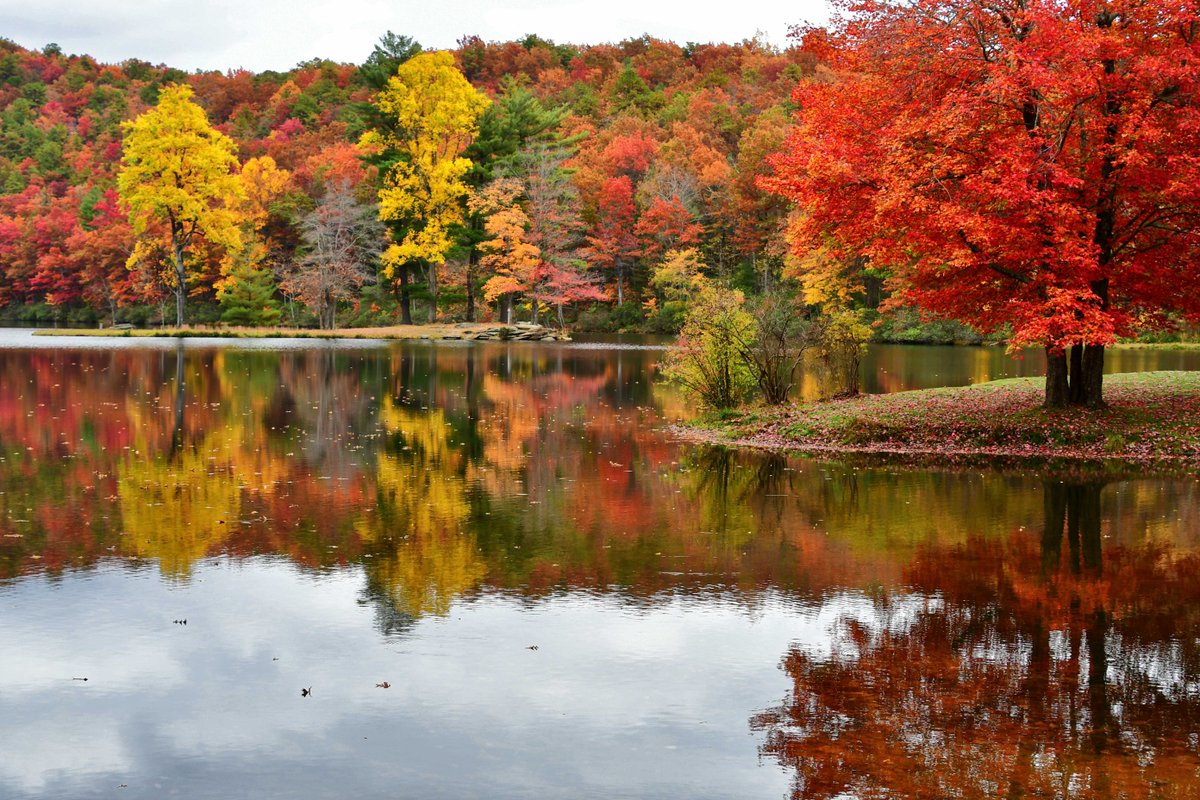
<point x="562" y="600"/>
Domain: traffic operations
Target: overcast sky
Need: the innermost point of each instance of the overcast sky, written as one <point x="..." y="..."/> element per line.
<point x="276" y="34"/>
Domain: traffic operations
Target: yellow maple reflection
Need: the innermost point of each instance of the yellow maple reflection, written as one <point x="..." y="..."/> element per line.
<point x="178" y="509"/>
<point x="426" y="557"/>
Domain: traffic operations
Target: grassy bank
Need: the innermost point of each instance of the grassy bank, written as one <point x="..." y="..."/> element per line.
<point x="1155" y="346"/>
<point x="1153" y="418"/>
<point x="450" y="331"/>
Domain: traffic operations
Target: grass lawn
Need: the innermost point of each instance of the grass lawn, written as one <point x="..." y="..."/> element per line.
<point x="1151" y="418"/>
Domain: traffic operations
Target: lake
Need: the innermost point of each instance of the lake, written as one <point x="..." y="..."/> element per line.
<point x="498" y="574"/>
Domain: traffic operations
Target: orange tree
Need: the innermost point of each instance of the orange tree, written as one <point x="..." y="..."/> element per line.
<point x="1029" y="163"/>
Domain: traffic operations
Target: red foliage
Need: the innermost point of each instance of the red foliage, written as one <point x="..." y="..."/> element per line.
<point x="680" y="138"/>
<point x="629" y="156"/>
<point x="612" y="245"/>
<point x="667" y="225"/>
<point x="1030" y="164"/>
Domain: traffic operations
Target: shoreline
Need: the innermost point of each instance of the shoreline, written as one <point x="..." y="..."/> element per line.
<point x="1152" y="423"/>
<point x="456" y="331"/>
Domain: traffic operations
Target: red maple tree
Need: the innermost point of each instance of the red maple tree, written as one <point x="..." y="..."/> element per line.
<point x="1013" y="162"/>
<point x="667" y="225"/>
<point x="612" y="245"/>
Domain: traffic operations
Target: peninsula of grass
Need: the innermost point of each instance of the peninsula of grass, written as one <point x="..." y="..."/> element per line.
<point x="476" y="331"/>
<point x="1152" y="419"/>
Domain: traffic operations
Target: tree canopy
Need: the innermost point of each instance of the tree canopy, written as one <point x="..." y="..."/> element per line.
<point x="564" y="119"/>
<point x="178" y="172"/>
<point x="433" y="114"/>
<point x="1023" y="163"/>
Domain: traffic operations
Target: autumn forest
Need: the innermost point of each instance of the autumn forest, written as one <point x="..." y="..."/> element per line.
<point x="1029" y="176"/>
<point x="585" y="167"/>
<point x="638" y="419"/>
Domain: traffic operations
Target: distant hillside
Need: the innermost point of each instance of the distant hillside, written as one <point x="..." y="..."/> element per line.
<point x="689" y="127"/>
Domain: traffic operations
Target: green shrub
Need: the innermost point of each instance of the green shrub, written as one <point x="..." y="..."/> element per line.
<point x="707" y="359"/>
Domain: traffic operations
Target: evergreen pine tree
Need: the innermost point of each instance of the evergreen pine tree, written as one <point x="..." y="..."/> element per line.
<point x="247" y="295"/>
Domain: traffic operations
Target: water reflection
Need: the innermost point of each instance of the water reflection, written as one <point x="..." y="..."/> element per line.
<point x="443" y="470"/>
<point x="406" y="455"/>
<point x="425" y="515"/>
<point x="1055" y="663"/>
<point x="896" y="368"/>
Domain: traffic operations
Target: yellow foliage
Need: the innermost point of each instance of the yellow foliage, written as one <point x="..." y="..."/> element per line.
<point x="434" y="113"/>
<point x="680" y="276"/>
<point x="423" y="508"/>
<point x="424" y="576"/>
<point x="180" y="509"/>
<point x="824" y="279"/>
<point x="178" y="169"/>
<point x="263" y="183"/>
<point x="183" y="505"/>
<point x="707" y="358"/>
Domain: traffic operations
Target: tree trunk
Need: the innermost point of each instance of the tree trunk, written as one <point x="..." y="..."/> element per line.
<point x="180" y="276"/>
<point x="1054" y="500"/>
<point x="472" y="262"/>
<point x="1057" y="387"/>
<point x="431" y="273"/>
<point x="1075" y="386"/>
<point x="180" y="398"/>
<point x="1090" y="536"/>
<point x="1077" y="379"/>
<point x="1091" y="376"/>
<point x="405" y="301"/>
<point x="1099" y="706"/>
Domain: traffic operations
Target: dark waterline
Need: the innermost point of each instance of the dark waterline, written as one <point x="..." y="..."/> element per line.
<point x="339" y="516"/>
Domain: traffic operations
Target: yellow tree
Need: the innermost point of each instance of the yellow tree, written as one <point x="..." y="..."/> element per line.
<point x="246" y="290"/>
<point x="179" y="509"/>
<point x="676" y="280"/>
<point x="263" y="182"/>
<point x="431" y="113"/>
<point x="832" y="283"/>
<point x="176" y="169"/>
<point x="427" y="556"/>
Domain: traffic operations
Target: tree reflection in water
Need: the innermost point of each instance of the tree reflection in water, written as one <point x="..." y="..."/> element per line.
<point x="1056" y="662"/>
<point x="1014" y="668"/>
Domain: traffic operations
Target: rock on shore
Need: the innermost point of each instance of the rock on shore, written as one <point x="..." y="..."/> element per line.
<point x="517" y="332"/>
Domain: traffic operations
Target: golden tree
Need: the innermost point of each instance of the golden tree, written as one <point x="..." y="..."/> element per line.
<point x="263" y="182"/>
<point x="246" y="290"/>
<point x="177" y="170"/>
<point x="432" y="113"/>
<point x="426" y="556"/>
